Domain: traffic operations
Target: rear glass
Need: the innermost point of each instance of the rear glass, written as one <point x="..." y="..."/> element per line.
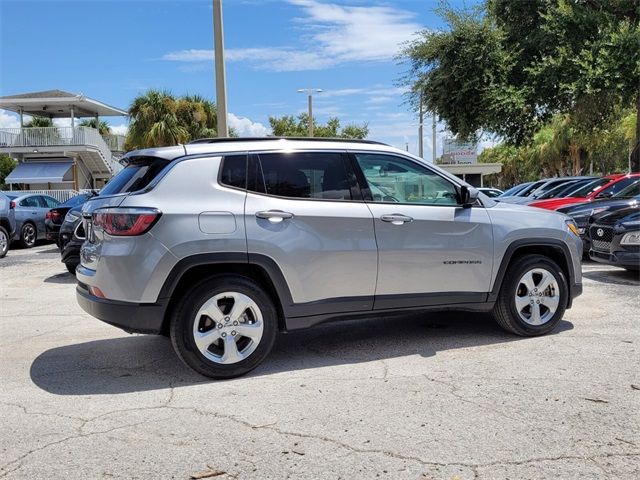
<point x="135" y="176"/>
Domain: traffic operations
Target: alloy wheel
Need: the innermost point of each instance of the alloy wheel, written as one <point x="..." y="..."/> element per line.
<point x="228" y="328"/>
<point x="537" y="296"/>
<point x="29" y="234"/>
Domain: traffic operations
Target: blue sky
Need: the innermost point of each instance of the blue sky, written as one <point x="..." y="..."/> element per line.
<point x="114" y="50"/>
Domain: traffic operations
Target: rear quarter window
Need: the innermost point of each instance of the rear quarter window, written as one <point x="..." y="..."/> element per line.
<point x="137" y="175"/>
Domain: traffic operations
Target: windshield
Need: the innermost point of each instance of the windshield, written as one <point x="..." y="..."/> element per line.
<point x="631" y="191"/>
<point x="77" y="200"/>
<point x="555" y="191"/>
<point x="514" y="190"/>
<point x="589" y="187"/>
<point x="531" y="188"/>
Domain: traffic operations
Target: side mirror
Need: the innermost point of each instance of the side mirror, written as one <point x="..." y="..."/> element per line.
<point x="467" y="196"/>
<point x="605" y="195"/>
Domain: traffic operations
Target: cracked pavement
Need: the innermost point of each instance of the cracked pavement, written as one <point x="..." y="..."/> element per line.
<point x="430" y="396"/>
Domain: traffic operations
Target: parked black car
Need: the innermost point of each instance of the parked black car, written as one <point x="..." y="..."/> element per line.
<point x="71" y="237"/>
<point x="615" y="238"/>
<point x="585" y="213"/>
<point x="54" y="217"/>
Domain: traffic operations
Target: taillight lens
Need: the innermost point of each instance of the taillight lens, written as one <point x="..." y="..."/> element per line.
<point x="12" y="204"/>
<point x="125" y="222"/>
<point x="47" y="215"/>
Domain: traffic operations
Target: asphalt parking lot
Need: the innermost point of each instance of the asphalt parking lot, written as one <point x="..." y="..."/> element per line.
<point x="446" y="396"/>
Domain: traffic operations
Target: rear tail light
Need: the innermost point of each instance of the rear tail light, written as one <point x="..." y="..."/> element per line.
<point x="52" y="214"/>
<point x="125" y="222"/>
<point x="12" y="204"/>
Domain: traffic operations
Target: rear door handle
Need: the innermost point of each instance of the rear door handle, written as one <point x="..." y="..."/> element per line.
<point x="274" y="216"/>
<point x="396" y="218"/>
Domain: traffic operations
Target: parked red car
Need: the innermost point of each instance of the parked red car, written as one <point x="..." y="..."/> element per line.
<point x="604" y="187"/>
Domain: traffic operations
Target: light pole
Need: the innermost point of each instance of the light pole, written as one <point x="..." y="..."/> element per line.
<point x="310" y="92"/>
<point x="433" y="133"/>
<point x="221" y="82"/>
<point x="420" y="130"/>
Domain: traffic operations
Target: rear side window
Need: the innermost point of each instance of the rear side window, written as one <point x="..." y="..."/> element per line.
<point x="233" y="172"/>
<point x="49" y="202"/>
<point x="135" y="176"/>
<point x="314" y="175"/>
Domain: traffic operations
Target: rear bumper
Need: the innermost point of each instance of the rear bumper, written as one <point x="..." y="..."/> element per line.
<point x="130" y="317"/>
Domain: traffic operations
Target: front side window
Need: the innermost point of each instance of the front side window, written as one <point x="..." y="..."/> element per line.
<point x="30" y="202"/>
<point x="393" y="179"/>
<point x="313" y="175"/>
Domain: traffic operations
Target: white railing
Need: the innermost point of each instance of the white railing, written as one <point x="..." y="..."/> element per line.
<point x="59" y="136"/>
<point x="60" y="195"/>
<point x="114" y="142"/>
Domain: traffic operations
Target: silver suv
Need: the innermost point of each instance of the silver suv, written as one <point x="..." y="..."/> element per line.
<point x="220" y="244"/>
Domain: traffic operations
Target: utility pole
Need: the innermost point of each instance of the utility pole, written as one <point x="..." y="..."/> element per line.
<point x="420" y="129"/>
<point x="310" y="92"/>
<point x="433" y="135"/>
<point x="221" y="81"/>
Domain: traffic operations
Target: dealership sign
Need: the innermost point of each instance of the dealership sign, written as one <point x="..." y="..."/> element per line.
<point x="460" y="152"/>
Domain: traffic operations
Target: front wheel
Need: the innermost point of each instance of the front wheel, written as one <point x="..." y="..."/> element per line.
<point x="225" y="327"/>
<point x="4" y="242"/>
<point x="533" y="296"/>
<point x="28" y="235"/>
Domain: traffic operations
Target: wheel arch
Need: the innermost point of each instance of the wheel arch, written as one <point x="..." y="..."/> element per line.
<point x="197" y="268"/>
<point x="556" y="250"/>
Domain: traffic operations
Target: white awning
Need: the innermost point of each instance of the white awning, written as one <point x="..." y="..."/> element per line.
<point x="41" y="172"/>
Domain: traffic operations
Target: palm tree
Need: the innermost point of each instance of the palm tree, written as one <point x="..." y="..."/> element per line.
<point x="154" y="121"/>
<point x="100" y="125"/>
<point x="39" y="122"/>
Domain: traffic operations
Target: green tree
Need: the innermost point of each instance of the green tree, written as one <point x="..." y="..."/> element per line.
<point x="158" y="119"/>
<point x="7" y="164"/>
<point x="100" y="125"/>
<point x="510" y="66"/>
<point x="154" y="121"/>
<point x="290" y="126"/>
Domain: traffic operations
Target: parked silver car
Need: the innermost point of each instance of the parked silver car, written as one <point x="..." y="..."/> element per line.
<point x="220" y="244"/>
<point x="30" y="210"/>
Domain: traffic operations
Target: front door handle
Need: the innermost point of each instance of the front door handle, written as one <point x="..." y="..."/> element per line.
<point x="396" y="219"/>
<point x="274" y="216"/>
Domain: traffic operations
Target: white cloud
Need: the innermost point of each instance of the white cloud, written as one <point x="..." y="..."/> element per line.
<point x="247" y="128"/>
<point x="119" y="129"/>
<point x="8" y="120"/>
<point x="336" y="34"/>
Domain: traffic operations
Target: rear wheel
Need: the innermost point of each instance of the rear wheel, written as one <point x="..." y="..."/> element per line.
<point x="533" y="297"/>
<point x="225" y="327"/>
<point x="28" y="235"/>
<point x="4" y="242"/>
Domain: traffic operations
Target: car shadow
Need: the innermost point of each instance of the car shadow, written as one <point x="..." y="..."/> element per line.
<point x="65" y="278"/>
<point x="141" y="363"/>
<point x="614" y="276"/>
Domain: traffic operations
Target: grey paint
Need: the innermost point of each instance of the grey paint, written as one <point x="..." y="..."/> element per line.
<point x="418" y="256"/>
<point x="327" y="250"/>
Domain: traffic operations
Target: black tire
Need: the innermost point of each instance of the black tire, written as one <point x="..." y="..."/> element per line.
<point x="4" y="242"/>
<point x="505" y="312"/>
<point x="184" y="316"/>
<point x="71" y="267"/>
<point x="28" y="235"/>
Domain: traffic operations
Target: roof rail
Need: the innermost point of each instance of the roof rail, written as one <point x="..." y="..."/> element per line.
<point x="260" y="139"/>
